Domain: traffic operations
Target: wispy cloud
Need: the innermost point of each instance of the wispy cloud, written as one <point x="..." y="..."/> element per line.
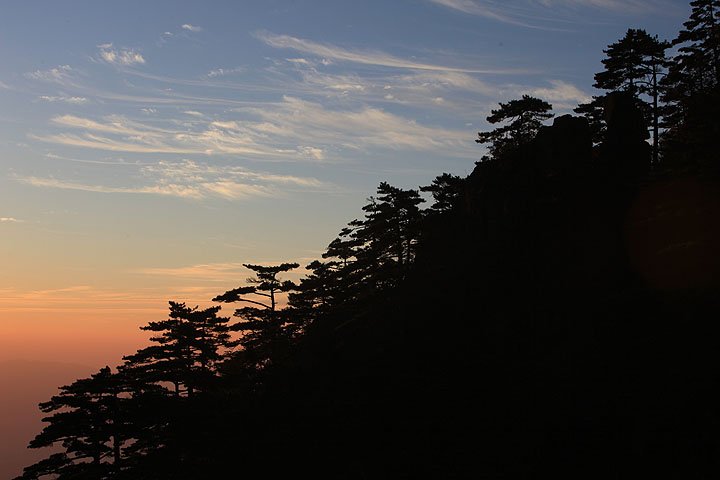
<point x="293" y="129"/>
<point x="213" y="272"/>
<point x="62" y="74"/>
<point x="457" y="91"/>
<point x="122" y="56"/>
<point x="634" y="6"/>
<point x="484" y="8"/>
<point x="75" y="288"/>
<point x="543" y="13"/>
<point x="377" y="58"/>
<point x="113" y="124"/>
<point x="64" y="99"/>
<point x="9" y="220"/>
<point x="84" y="299"/>
<point x="561" y="94"/>
<point x="221" y="72"/>
<point x="191" y="28"/>
<point x="114" y="162"/>
<point x="460" y="92"/>
<point x="357" y="129"/>
<point x="168" y="190"/>
<point x="227" y="272"/>
<point x="191" y="180"/>
<point x="124" y="135"/>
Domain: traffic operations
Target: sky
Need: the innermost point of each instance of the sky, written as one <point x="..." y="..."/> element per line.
<point x="149" y="149"/>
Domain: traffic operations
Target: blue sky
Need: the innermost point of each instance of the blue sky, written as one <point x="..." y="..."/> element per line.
<point x="147" y="149"/>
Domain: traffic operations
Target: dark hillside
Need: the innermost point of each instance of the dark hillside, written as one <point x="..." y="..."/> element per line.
<point x="559" y="320"/>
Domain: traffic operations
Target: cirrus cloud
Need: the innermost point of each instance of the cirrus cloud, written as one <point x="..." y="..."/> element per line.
<point x="63" y="99"/>
<point x="123" y="56"/>
<point x="290" y="130"/>
<point x="377" y="58"/>
<point x="542" y="13"/>
<point x="193" y="180"/>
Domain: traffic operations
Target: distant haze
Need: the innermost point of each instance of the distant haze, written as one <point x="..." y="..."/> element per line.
<point x="25" y="384"/>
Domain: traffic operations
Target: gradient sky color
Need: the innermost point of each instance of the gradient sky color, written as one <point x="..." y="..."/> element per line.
<point x="148" y="149"/>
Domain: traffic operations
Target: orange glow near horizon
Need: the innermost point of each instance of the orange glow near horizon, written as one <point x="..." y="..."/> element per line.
<point x="80" y="325"/>
<point x="89" y="326"/>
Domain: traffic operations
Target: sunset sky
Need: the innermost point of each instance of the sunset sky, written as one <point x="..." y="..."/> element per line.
<point x="148" y="149"/>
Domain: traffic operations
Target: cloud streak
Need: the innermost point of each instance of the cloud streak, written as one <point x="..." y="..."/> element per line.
<point x="123" y="56"/>
<point x="213" y="272"/>
<point x="192" y="180"/>
<point x="290" y="130"/>
<point x="356" y="129"/>
<point x="62" y="74"/>
<point x="63" y="99"/>
<point x="560" y="94"/>
<point x="541" y="13"/>
<point x="227" y="272"/>
<point x="376" y="58"/>
<point x="221" y="72"/>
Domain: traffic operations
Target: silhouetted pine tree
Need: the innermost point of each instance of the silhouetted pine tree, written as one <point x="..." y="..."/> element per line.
<point x="331" y="283"/>
<point x="187" y="349"/>
<point x="525" y="116"/>
<point x="391" y="228"/>
<point x="266" y="329"/>
<point x="692" y="84"/>
<point x="635" y="64"/>
<point x="368" y="256"/>
<point x="91" y="420"/>
<point x="445" y="189"/>
<point x="699" y="52"/>
<point x="594" y="113"/>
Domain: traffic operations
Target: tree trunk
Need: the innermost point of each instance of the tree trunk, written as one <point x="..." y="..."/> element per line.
<point x="656" y="117"/>
<point x="116" y="451"/>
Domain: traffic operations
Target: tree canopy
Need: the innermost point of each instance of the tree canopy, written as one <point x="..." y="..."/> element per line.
<point x="635" y="64"/>
<point x="523" y="118"/>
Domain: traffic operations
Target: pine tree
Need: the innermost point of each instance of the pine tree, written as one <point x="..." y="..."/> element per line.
<point x="696" y="67"/>
<point x="187" y="349"/>
<point x="525" y="117"/>
<point x="445" y="189"/>
<point x="90" y="420"/>
<point x="700" y="40"/>
<point x="594" y="112"/>
<point x="691" y="89"/>
<point x="266" y="329"/>
<point x="368" y="256"/>
<point x="635" y="64"/>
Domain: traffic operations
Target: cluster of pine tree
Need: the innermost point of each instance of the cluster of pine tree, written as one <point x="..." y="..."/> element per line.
<point x="545" y="315"/>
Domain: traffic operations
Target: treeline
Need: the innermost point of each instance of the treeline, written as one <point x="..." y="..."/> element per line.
<point x="544" y="315"/>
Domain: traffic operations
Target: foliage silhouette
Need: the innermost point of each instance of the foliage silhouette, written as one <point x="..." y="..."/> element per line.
<point x="525" y="116"/>
<point x="266" y="330"/>
<point x="189" y="345"/>
<point x="635" y="64"/>
<point x="691" y="87"/>
<point x="92" y="420"/>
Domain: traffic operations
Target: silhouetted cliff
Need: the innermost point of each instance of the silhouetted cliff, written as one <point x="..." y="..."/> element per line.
<point x="559" y="320"/>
